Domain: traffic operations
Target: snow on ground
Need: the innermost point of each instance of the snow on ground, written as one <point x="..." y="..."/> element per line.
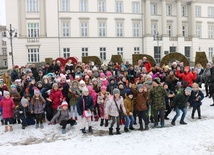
<point x="197" y="137"/>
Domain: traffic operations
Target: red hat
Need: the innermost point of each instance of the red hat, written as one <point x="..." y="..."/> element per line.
<point x="16" y="66"/>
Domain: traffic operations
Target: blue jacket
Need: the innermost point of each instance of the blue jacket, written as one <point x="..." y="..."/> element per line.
<point x="194" y="95"/>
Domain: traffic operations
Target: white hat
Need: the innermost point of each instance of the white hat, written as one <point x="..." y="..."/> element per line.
<point x="85" y="89"/>
<point x="64" y="103"/>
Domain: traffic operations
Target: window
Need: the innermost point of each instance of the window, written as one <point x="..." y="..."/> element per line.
<point x="84" y="29"/>
<point x="119" y="6"/>
<point x="210" y="55"/>
<point x="184" y="33"/>
<point x="4" y="43"/>
<point x="83" y="5"/>
<point x="136" y="7"/>
<point x="120" y="51"/>
<point x="103" y="53"/>
<point x="211" y="32"/>
<point x="5" y="62"/>
<point x="65" y="29"/>
<point x="198" y="31"/>
<point x="66" y="52"/>
<point x="32" y="5"/>
<point x="157" y="54"/>
<point x="33" y="55"/>
<point x="172" y="49"/>
<point x="33" y="30"/>
<point x="136" y="50"/>
<point x="101" y="5"/>
<point x="187" y="52"/>
<point x="4" y="51"/>
<point x="210" y="11"/>
<point x="153" y="9"/>
<point x="154" y="29"/>
<point x="183" y="11"/>
<point x="119" y="27"/>
<point x="102" y="29"/>
<point x="169" y="30"/>
<point x="168" y="10"/>
<point x="198" y="11"/>
<point x="136" y="29"/>
<point x="85" y="51"/>
<point x="65" y="5"/>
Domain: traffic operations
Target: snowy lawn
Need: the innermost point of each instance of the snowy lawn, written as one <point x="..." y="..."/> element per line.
<point x="195" y="138"/>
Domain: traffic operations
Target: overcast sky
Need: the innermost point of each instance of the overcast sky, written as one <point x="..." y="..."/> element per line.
<point x="2" y="13"/>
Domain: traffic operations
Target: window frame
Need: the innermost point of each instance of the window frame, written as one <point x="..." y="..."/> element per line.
<point x="101" y="8"/>
<point x="30" y="7"/>
<point x="119" y="8"/>
<point x="33" y="30"/>
<point x="63" y="7"/>
<point x="33" y="55"/>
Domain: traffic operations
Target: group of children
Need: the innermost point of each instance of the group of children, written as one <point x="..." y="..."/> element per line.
<point x="103" y="97"/>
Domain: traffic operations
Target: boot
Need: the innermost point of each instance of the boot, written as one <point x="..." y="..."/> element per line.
<point x="63" y="131"/>
<point x="141" y="127"/>
<point x="146" y="127"/>
<point x="173" y="123"/>
<point x="23" y="127"/>
<point x="37" y="126"/>
<point x="131" y="128"/>
<point x="6" y="128"/>
<point x="118" y="131"/>
<point x="101" y="122"/>
<point x="83" y="130"/>
<point x="41" y="126"/>
<point x="111" y="131"/>
<point x="155" y="125"/>
<point x="192" y="116"/>
<point x="151" y="119"/>
<point x="106" y="122"/>
<point x="96" y="117"/>
<point x="166" y="118"/>
<point x="126" y="129"/>
<point x="182" y="122"/>
<point x="11" y="128"/>
<point x="162" y="124"/>
<point x="90" y="129"/>
<point x="2" y="122"/>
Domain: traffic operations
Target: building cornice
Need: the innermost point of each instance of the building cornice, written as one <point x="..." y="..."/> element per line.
<point x="102" y="18"/>
<point x="84" y="18"/>
<point x="119" y="18"/>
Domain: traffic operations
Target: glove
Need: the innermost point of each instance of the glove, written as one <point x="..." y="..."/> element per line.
<point x="21" y="112"/>
<point x="49" y="123"/>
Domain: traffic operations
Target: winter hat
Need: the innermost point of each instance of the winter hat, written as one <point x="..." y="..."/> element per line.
<point x="188" y="89"/>
<point x="174" y="63"/>
<point x="63" y="76"/>
<point x="209" y="64"/>
<point x="64" y="103"/>
<point x="166" y="66"/>
<point x="96" y="74"/>
<point x="116" y="91"/>
<point x="148" y="82"/>
<point x="82" y="82"/>
<point x="36" y="91"/>
<point x="16" y="66"/>
<point x="140" y="86"/>
<point x="39" y="82"/>
<point x="103" y="88"/>
<point x="87" y="77"/>
<point x="102" y="75"/>
<point x="178" y="83"/>
<point x="157" y="80"/>
<point x="85" y="89"/>
<point x="94" y="79"/>
<point x="108" y="73"/>
<point x="6" y="93"/>
<point x="24" y="101"/>
<point x="129" y="92"/>
<point x="12" y="86"/>
<point x="54" y="85"/>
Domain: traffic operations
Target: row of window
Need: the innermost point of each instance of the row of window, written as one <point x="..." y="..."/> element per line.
<point x="33" y="6"/>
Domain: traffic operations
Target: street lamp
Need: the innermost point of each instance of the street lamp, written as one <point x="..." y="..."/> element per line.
<point x="158" y="38"/>
<point x="12" y="34"/>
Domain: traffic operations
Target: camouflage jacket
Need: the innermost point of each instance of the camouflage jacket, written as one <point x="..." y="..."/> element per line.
<point x="157" y="97"/>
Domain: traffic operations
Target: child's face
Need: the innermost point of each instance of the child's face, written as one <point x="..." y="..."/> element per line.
<point x="82" y="85"/>
<point x="7" y="96"/>
<point x="55" y="88"/>
<point x="121" y="86"/>
<point x="130" y="96"/>
<point x="165" y="86"/>
<point x="64" y="107"/>
<point x="112" y="81"/>
<point x="140" y="90"/>
<point x="74" y="85"/>
<point x="40" y="85"/>
<point x="13" y="89"/>
<point x="86" y="93"/>
<point x="25" y="105"/>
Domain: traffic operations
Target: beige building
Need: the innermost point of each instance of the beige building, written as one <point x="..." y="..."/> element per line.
<point x="63" y="28"/>
<point x="3" y="49"/>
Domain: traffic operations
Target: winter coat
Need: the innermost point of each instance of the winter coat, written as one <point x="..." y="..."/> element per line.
<point x="187" y="77"/>
<point x="206" y="75"/>
<point x="104" y="82"/>
<point x="22" y="112"/>
<point x="141" y="99"/>
<point x="148" y="66"/>
<point x="7" y="107"/>
<point x="38" y="107"/>
<point x="157" y="96"/>
<point x="111" y="108"/>
<point x="60" y="115"/>
<point x="14" y="75"/>
<point x="74" y="96"/>
<point x="211" y="81"/>
<point x="16" y="97"/>
<point x="65" y="89"/>
<point x="129" y="105"/>
<point x="171" y="81"/>
<point x="180" y="100"/>
<point x="194" y="95"/>
<point x="55" y="97"/>
<point x="88" y="100"/>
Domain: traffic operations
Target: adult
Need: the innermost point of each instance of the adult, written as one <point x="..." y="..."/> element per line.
<point x="187" y="76"/>
<point x="15" y="73"/>
<point x="206" y="78"/>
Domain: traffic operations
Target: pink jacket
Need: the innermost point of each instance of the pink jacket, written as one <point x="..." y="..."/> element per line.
<point x="104" y="82"/>
<point x="7" y="107"/>
<point x="111" y="108"/>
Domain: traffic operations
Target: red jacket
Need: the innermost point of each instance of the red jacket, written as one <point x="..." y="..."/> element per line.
<point x="56" y="98"/>
<point x="148" y="66"/>
<point x="7" y="107"/>
<point x="188" y="77"/>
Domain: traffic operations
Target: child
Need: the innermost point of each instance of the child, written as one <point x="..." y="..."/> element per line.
<point x="62" y="117"/>
<point x="7" y="105"/>
<point x="114" y="107"/>
<point x="129" y="106"/>
<point x="2" y="121"/>
<point x="37" y="107"/>
<point x="85" y="105"/>
<point x="195" y="100"/>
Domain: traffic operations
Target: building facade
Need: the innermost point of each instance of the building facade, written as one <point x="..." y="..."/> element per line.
<point x="3" y="49"/>
<point x="64" y="28"/>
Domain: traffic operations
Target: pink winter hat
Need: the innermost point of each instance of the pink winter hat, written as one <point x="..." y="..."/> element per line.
<point x="108" y="73"/>
<point x="103" y="88"/>
<point x="102" y="75"/>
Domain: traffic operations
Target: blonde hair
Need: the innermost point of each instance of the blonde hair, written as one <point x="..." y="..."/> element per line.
<point x="195" y="84"/>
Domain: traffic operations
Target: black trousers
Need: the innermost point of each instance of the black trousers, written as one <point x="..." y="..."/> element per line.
<point x="64" y="123"/>
<point x="115" y="120"/>
<point x="142" y="116"/>
<point x="160" y="113"/>
<point x="168" y="110"/>
<point x="198" y="108"/>
<point x="39" y="118"/>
